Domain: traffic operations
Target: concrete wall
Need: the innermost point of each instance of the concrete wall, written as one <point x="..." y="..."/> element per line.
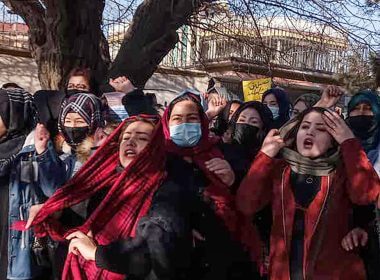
<point x="20" y="70"/>
<point x="167" y="86"/>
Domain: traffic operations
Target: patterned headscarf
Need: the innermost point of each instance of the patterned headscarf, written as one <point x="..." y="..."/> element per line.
<point x="88" y="106"/>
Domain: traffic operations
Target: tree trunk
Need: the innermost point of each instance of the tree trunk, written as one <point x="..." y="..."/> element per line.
<point x="63" y="35"/>
<point x="67" y="33"/>
<point x="150" y="37"/>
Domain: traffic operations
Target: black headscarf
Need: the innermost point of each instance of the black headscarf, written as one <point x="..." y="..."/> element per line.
<point x="283" y="104"/>
<point x="366" y="128"/>
<point x="19" y="116"/>
<point x="222" y="120"/>
<point x="251" y="131"/>
<point x="48" y="103"/>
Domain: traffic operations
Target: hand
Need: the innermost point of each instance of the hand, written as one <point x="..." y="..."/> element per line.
<point x="222" y="169"/>
<point x="41" y="138"/>
<point x="122" y="84"/>
<point x="354" y="238"/>
<point x="82" y="244"/>
<point x="100" y="137"/>
<point x="330" y="97"/>
<point x="273" y="143"/>
<point x="33" y="211"/>
<point x="337" y="127"/>
<point x="216" y="104"/>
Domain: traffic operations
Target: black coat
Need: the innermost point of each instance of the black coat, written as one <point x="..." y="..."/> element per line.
<point x="163" y="247"/>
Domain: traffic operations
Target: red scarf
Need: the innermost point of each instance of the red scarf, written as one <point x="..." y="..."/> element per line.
<point x="127" y="200"/>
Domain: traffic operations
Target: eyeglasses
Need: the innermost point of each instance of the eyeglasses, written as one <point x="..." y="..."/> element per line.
<point x="77" y="86"/>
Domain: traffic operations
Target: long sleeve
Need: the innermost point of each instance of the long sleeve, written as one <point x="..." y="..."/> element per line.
<point x="363" y="182"/>
<point x="161" y="244"/>
<point x="256" y="188"/>
<point x="52" y="171"/>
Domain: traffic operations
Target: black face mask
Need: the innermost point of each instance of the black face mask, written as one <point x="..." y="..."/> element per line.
<point x="247" y="136"/>
<point x="76" y="134"/>
<point x="362" y="126"/>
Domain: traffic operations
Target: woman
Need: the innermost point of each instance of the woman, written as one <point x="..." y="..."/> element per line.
<point x="364" y="118"/>
<point x="81" y="80"/>
<point x="18" y="188"/>
<point x="79" y="119"/>
<point x="303" y="103"/>
<point x="277" y="101"/>
<point x="81" y="128"/>
<point x="309" y="188"/>
<point x="249" y="126"/>
<point x="195" y="163"/>
<point x="120" y="180"/>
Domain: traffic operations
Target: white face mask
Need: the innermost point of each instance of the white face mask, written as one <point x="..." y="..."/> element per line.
<point x="275" y="111"/>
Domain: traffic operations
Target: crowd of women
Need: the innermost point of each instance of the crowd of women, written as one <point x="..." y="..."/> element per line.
<point x="103" y="183"/>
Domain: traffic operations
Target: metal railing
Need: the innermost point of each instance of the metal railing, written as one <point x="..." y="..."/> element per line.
<point x="284" y="51"/>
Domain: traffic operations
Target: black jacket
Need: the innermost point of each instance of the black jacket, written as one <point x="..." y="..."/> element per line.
<point x="162" y="245"/>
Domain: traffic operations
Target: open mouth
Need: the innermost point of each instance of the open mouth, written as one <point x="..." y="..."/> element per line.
<point x="308" y="143"/>
<point x="129" y="153"/>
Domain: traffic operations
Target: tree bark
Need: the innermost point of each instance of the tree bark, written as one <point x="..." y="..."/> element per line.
<point x="63" y="35"/>
<point x="150" y="37"/>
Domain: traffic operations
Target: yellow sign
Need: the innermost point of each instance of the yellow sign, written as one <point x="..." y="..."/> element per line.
<point x="253" y="90"/>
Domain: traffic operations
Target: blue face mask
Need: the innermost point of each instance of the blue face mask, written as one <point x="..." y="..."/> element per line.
<point x="186" y="134"/>
<point x="275" y="111"/>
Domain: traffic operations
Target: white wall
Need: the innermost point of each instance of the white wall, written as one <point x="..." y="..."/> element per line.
<point x="20" y="70"/>
<point x="167" y="86"/>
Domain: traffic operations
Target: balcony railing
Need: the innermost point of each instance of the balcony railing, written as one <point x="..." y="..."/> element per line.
<point x="278" y="51"/>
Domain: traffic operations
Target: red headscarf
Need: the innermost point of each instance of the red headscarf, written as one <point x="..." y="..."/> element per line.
<point x="204" y="151"/>
<point x="127" y="200"/>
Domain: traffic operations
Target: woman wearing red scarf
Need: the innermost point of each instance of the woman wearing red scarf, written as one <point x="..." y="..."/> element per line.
<point x="121" y="179"/>
<point x="195" y="163"/>
<point x="323" y="170"/>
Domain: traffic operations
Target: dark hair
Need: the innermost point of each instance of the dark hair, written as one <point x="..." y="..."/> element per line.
<point x="291" y="135"/>
<point x="135" y="119"/>
<point x="10" y="85"/>
<point x="187" y="97"/>
<point x="88" y="74"/>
